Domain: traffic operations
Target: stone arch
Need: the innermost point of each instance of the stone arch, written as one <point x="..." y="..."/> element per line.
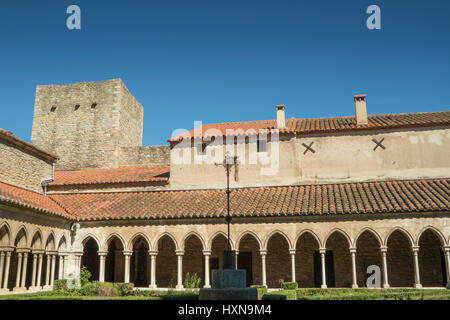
<point x="36" y="241"/>
<point x="249" y="257"/>
<point x="274" y="232"/>
<point x="372" y="231"/>
<point x="110" y="238"/>
<point x="209" y="245"/>
<point x="21" y="238"/>
<point x="431" y="258"/>
<point x="338" y="261"/>
<point x="403" y="231"/>
<point x="340" y="231"/>
<point x="197" y="235"/>
<point x="436" y="231"/>
<point x="5" y="235"/>
<point x="140" y="261"/>
<point x="312" y="233"/>
<point x="136" y="236"/>
<point x="90" y="258"/>
<point x="115" y="259"/>
<point x="50" y="244"/>
<point x="251" y="233"/>
<point x="168" y="234"/>
<point x="193" y="262"/>
<point x="399" y="256"/>
<point x="88" y="237"/>
<point x="307" y="272"/>
<point x="368" y="253"/>
<point x="166" y="260"/>
<point x="278" y="259"/>
<point x="217" y="245"/>
<point x="62" y="244"/>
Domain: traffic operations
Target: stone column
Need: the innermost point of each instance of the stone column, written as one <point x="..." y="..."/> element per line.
<point x="19" y="268"/>
<point x="101" y="274"/>
<point x="52" y="276"/>
<point x="180" y="270"/>
<point x="446" y="250"/>
<point x="24" y="269"/>
<point x="415" y="251"/>
<point x="127" y="255"/>
<point x="6" y="275"/>
<point x="39" y="272"/>
<point x="237" y="255"/>
<point x="292" y="253"/>
<point x="153" y="269"/>
<point x="354" y="279"/>
<point x="207" y="254"/>
<point x="324" y="274"/>
<point x="47" y="273"/>
<point x="66" y="260"/>
<point x="263" y="264"/>
<point x="385" y="269"/>
<point x="2" y="263"/>
<point x="61" y="267"/>
<point x="33" y="275"/>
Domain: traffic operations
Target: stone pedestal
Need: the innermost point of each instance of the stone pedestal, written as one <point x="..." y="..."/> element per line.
<point x="228" y="284"/>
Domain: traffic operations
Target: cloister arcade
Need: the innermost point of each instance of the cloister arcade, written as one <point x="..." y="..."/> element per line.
<point x="335" y="260"/>
<point x="31" y="259"/>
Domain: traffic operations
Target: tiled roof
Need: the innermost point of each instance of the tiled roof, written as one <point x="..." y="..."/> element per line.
<point x="154" y="173"/>
<point x="31" y="200"/>
<point x="323" y="125"/>
<point x="327" y="199"/>
<point x="9" y="137"/>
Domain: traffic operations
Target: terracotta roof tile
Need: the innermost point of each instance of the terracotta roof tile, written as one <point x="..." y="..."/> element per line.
<point x="322" y="125"/>
<point x="153" y="173"/>
<point x="31" y="200"/>
<point x="344" y="198"/>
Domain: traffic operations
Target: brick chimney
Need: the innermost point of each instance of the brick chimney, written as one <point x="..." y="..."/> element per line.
<point x="281" y="118"/>
<point x="360" y="109"/>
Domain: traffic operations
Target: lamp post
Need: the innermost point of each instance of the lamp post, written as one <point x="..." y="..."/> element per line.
<point x="229" y="255"/>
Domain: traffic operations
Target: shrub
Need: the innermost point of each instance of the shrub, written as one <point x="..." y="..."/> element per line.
<point x="85" y="275"/>
<point x="123" y="289"/>
<point x="192" y="281"/>
<point x="273" y="296"/>
<point x="262" y="290"/>
<point x="87" y="290"/>
<point x="60" y="285"/>
<point x="290" y="285"/>
<point x="281" y="295"/>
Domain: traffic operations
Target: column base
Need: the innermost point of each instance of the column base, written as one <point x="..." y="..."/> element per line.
<point x="386" y="286"/>
<point x="4" y="290"/>
<point x="324" y="286"/>
<point x="19" y="289"/>
<point x="35" y="288"/>
<point x="153" y="286"/>
<point x="47" y="287"/>
<point x="417" y="286"/>
<point x="179" y="286"/>
<point x="354" y="286"/>
<point x="206" y="287"/>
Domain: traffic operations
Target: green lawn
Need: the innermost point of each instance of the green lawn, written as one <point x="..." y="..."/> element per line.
<point x="302" y="294"/>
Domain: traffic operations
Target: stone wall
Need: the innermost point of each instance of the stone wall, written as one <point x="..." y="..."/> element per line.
<point x="147" y="155"/>
<point x="23" y="169"/>
<point x="340" y="157"/>
<point x="86" y="123"/>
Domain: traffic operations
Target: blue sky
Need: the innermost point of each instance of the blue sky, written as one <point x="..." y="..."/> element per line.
<point x="219" y="61"/>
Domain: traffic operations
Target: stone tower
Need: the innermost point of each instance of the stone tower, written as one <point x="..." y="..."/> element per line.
<point x="86" y="123"/>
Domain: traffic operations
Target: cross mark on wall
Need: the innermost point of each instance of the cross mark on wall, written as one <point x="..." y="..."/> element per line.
<point x="308" y="148"/>
<point x="378" y="144"/>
